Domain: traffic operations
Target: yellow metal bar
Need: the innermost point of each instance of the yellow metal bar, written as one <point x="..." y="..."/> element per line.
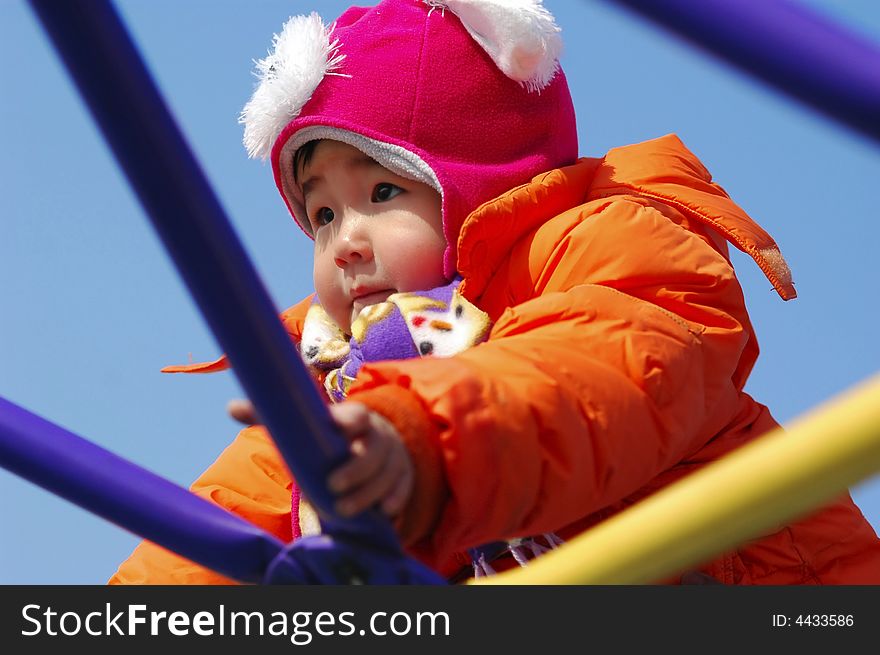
<point x="748" y="493"/>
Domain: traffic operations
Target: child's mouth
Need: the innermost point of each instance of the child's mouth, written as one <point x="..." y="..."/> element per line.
<point x="372" y="298"/>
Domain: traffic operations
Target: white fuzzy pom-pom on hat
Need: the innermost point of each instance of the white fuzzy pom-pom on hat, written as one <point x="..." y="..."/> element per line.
<point x="301" y="56"/>
<point x="520" y="36"/>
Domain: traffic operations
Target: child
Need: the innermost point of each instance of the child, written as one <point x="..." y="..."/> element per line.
<point x="519" y="342"/>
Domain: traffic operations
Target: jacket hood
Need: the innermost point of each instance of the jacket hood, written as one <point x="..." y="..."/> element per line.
<point x="661" y="169"/>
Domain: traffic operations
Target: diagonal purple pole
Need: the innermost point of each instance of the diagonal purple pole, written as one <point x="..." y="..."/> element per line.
<point x="123" y="99"/>
<point x="786" y="45"/>
<point x="132" y="497"/>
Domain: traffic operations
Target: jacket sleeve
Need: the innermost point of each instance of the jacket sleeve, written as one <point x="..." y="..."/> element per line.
<point x="621" y="361"/>
<point x="251" y="480"/>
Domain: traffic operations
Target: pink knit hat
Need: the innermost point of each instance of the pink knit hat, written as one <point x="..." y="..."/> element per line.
<point x="466" y="96"/>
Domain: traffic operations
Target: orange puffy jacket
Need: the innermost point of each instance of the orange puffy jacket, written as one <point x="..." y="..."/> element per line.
<point x="616" y="365"/>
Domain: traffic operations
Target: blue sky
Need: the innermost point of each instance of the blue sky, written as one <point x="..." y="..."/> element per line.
<point x="91" y="307"/>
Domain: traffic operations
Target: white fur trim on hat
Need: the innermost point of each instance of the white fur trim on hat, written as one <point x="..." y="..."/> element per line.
<point x="393" y="157"/>
<point x="520" y="36"/>
<point x="302" y="55"/>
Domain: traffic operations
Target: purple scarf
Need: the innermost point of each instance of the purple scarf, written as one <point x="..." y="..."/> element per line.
<point x="435" y="323"/>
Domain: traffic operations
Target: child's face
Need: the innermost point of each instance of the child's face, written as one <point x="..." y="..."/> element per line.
<point x="376" y="233"/>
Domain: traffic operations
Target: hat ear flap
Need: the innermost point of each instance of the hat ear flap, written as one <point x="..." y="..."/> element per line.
<point x="301" y="56"/>
<point x="521" y="36"/>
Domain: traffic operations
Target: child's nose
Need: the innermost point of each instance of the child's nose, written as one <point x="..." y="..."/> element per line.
<point x="352" y="243"/>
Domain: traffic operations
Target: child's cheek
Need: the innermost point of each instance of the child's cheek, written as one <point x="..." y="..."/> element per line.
<point x="414" y="260"/>
<point x="330" y="292"/>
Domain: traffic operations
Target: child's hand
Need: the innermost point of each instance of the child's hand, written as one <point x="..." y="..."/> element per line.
<point x="243" y="411"/>
<point x="380" y="469"/>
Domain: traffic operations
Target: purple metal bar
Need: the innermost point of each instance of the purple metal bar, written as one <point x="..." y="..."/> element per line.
<point x="125" y="102"/>
<point x="132" y="497"/>
<point x="787" y="45"/>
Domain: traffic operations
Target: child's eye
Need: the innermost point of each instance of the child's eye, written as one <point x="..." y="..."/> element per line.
<point x="323" y="216"/>
<point x="385" y="192"/>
